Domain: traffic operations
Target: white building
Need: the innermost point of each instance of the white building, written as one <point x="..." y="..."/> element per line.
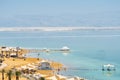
<point x="44" y="65"/>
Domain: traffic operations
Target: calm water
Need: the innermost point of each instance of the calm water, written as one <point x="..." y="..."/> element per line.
<point x="89" y="50"/>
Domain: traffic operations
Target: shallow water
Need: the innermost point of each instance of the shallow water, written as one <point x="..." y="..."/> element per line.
<point x="89" y="50"/>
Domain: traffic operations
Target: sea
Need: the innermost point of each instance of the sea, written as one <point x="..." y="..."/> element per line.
<point x="89" y="50"/>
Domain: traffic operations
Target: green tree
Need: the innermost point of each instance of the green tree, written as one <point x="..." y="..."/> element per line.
<point x="41" y="78"/>
<point x="9" y="74"/>
<point x="17" y="74"/>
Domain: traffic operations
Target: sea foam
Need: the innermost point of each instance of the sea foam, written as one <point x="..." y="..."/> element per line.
<point x="55" y="28"/>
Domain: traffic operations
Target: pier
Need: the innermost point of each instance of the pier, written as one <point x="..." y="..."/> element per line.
<point x="18" y="51"/>
<point x="46" y="50"/>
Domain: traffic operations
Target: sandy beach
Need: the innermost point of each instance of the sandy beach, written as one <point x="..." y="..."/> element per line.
<point x="17" y="63"/>
<point x="14" y="59"/>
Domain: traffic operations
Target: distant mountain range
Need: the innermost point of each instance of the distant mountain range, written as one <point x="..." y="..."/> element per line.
<point x="102" y="20"/>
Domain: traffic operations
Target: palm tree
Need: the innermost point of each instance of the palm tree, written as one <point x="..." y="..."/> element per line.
<point x="9" y="74"/>
<point x="17" y="73"/>
<point x="2" y="55"/>
<point x="3" y="72"/>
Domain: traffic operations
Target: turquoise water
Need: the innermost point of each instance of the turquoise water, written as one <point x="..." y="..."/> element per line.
<point x="89" y="50"/>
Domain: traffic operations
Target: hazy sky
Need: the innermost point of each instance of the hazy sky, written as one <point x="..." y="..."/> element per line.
<point x="59" y="13"/>
<point x="57" y="7"/>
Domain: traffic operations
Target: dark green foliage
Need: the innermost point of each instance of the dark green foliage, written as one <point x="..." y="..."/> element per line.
<point x="17" y="74"/>
<point x="42" y="78"/>
<point x="9" y="74"/>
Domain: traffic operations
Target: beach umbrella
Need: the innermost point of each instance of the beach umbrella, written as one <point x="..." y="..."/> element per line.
<point x="42" y="75"/>
<point x="70" y="79"/>
<point x="23" y="67"/>
<point x="61" y="77"/>
<point x="52" y="78"/>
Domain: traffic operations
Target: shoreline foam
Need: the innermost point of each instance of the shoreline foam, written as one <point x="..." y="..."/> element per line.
<point x="55" y="28"/>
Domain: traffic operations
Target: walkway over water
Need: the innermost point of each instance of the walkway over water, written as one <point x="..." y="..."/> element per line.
<point x="46" y="50"/>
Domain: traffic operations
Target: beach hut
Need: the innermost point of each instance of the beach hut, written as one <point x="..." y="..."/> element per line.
<point x="70" y="79"/>
<point x="44" y="65"/>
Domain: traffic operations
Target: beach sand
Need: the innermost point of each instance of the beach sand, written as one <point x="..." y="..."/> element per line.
<point x="17" y="63"/>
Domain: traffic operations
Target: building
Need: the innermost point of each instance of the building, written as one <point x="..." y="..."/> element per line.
<point x="44" y="65"/>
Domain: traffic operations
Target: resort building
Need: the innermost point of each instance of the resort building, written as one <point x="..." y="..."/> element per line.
<point x="12" y="52"/>
<point x="44" y="65"/>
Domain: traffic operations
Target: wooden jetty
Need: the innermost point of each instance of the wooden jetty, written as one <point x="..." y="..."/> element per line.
<point x="46" y="50"/>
